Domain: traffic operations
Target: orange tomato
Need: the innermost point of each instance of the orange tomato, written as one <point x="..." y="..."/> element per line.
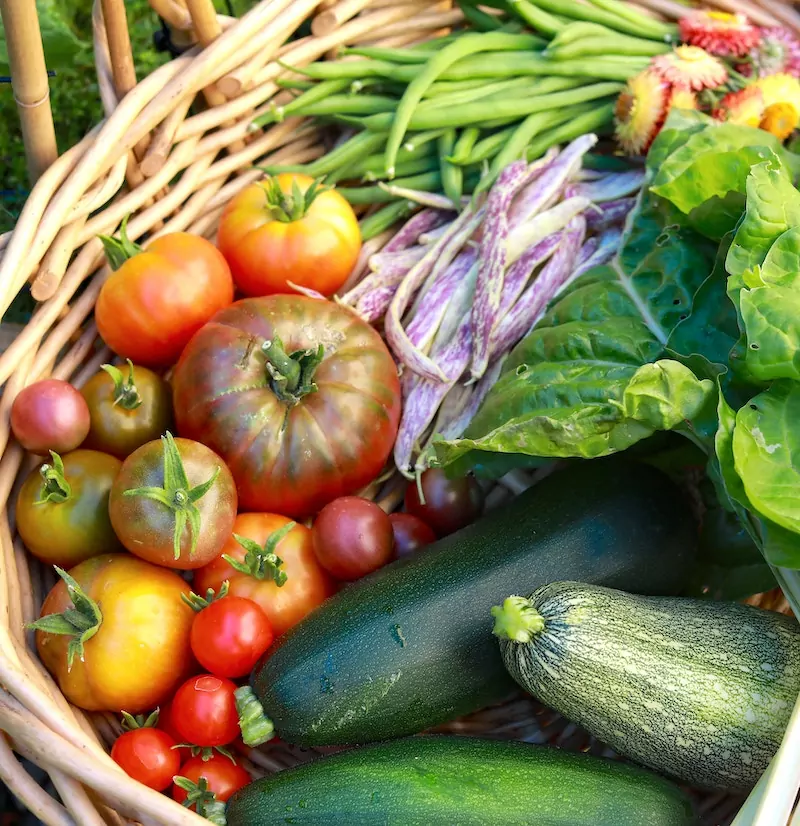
<point x="270" y="236"/>
<point x="306" y="586"/>
<point x="140" y="650"/>
<point x="159" y="297"/>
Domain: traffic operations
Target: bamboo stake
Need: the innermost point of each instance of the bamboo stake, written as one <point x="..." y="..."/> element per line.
<point x="119" y="45"/>
<point x="29" y="82"/>
<point x="173" y="14"/>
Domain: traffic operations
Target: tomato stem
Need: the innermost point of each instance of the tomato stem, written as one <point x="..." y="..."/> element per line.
<point x="126" y="394"/>
<point x="203" y="799"/>
<point x="55" y="487"/>
<point x="256" y="727"/>
<point x="178" y="496"/>
<point x="286" y="207"/>
<point x="119" y="250"/>
<point x="291" y="375"/>
<point x="262" y="563"/>
<point x="198" y="603"/>
<point x="131" y="723"/>
<point x="81" y="622"/>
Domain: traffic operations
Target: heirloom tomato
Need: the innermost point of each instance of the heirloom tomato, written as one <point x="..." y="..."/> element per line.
<point x="62" y="508"/>
<point x="157" y="298"/>
<point x="449" y="504"/>
<point x="271" y="563"/>
<point x="298" y="395"/>
<point x="289" y="228"/>
<point x="126" y="412"/>
<point x="173" y="503"/>
<point x="114" y="632"/>
<point x="49" y="415"/>
<point x="410" y="534"/>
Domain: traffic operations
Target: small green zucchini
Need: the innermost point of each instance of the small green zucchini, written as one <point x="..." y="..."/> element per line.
<point x="697" y="689"/>
<point x="439" y="781"/>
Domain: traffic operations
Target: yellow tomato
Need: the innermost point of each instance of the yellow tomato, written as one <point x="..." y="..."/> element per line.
<point x="137" y="649"/>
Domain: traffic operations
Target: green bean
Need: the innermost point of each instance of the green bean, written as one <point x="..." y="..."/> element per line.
<point x="358" y="145"/>
<point x="452" y="175"/>
<point x="385" y="218"/>
<point x="624" y="10"/>
<point x="576" y="30"/>
<point x="614" y="44"/>
<point x="405" y="169"/>
<point x="488" y="146"/>
<point x="570" y="130"/>
<point x="373" y="165"/>
<point x="353" y="69"/>
<point x="549" y="92"/>
<point x="380" y="84"/>
<point x="466" y="140"/>
<point x="434" y="44"/>
<point x="446" y="87"/>
<point x="467" y="45"/>
<point x="538" y="19"/>
<point x="335" y="105"/>
<point x="427" y="182"/>
<point x="479" y="20"/>
<point x="286" y="83"/>
<point x="320" y="91"/>
<point x="389" y="55"/>
<point x="485" y="90"/>
<point x="421" y="138"/>
<point x="594" y="14"/>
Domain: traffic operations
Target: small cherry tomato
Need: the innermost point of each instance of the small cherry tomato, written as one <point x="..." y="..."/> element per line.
<point x="288" y="228"/>
<point x="62" y="508"/>
<point x="147" y="755"/>
<point x="126" y="412"/>
<point x="157" y="299"/>
<point x="223" y="777"/>
<point x="49" y="415"/>
<point x="179" y="519"/>
<point x="410" y="534"/>
<point x="229" y="635"/>
<point x="352" y="537"/>
<point x="450" y="504"/>
<point x="268" y="549"/>
<point x="204" y="711"/>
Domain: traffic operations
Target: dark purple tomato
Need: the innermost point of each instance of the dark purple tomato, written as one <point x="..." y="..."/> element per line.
<point x="450" y="504"/>
<point x="50" y="415"/>
<point x="410" y="534"/>
<point x="352" y="537"/>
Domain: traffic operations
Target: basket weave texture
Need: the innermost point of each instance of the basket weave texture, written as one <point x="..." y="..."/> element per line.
<point x="172" y="170"/>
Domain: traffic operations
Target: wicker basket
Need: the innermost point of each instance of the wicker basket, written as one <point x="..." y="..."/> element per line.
<point x="173" y="171"/>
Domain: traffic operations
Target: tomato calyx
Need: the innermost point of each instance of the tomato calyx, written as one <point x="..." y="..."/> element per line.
<point x="198" y="603"/>
<point x="131" y="723"/>
<point x="205" y="753"/>
<point x="177" y="495"/>
<point x="119" y="250"/>
<point x="126" y="394"/>
<point x="286" y="207"/>
<point x="202" y="798"/>
<point x="81" y="622"/>
<point x="256" y="727"/>
<point x="262" y="563"/>
<point x="55" y="487"/>
<point x="291" y="375"/>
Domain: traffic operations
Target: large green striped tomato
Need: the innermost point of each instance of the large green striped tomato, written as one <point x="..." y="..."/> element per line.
<point x="299" y="396"/>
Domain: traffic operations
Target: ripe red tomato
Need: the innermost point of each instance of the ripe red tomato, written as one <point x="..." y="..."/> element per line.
<point x="49" y="415"/>
<point x="230" y="635"/>
<point x="270" y="234"/>
<point x="204" y="711"/>
<point x="295" y="443"/>
<point x="306" y="584"/>
<point x="352" y="537"/>
<point x="410" y="534"/>
<point x="223" y="776"/>
<point x="159" y="297"/>
<point x="129" y="407"/>
<point x="147" y="755"/>
<point x="181" y="521"/>
<point x="450" y="504"/>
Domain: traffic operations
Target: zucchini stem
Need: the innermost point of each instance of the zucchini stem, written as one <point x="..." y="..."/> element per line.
<point x="517" y="620"/>
<point x="256" y="727"/>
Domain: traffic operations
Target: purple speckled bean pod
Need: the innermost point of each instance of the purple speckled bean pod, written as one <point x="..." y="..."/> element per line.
<point x="428" y="199"/>
<point x="389" y="276"/>
<point x="409" y="233"/>
<point x="492" y="260"/>
<point x="439" y="257"/>
<point x="520" y="271"/>
<point x="555" y="275"/>
<point x="588" y="249"/>
<point x="544" y="224"/>
<point x="423" y="326"/>
<point x="424" y="397"/>
<point x="611" y="187"/>
<point x="609" y="213"/>
<point x="606" y="247"/>
<point x="547" y="187"/>
<point x="400" y="260"/>
<point x="373" y="306"/>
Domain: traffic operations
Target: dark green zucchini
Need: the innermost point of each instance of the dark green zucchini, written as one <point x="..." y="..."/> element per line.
<point x="461" y="781"/>
<point x="411" y="645"/>
<point x="697" y="689"/>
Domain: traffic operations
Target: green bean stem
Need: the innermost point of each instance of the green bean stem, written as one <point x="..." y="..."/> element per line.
<point x="570" y="130"/>
<point x="385" y="218"/>
<point x="452" y="175"/>
<point x="467" y="45"/>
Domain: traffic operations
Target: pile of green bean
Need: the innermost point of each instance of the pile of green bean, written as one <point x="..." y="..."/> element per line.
<point x="446" y="116"/>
